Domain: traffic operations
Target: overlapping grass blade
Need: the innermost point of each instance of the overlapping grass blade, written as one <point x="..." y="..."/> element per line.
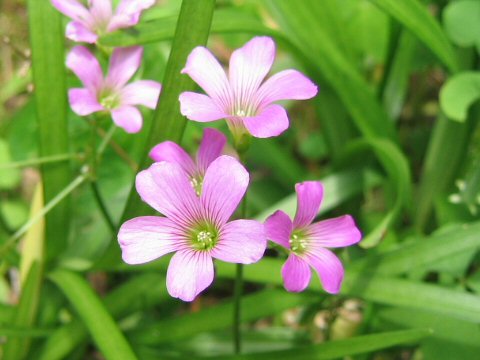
<point x="47" y="43"/>
<point x="415" y="17"/>
<point x="97" y="319"/>
<point x="340" y="348"/>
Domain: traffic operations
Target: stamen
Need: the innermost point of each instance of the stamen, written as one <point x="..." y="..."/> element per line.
<point x="197" y="185"/>
<point x="204" y="238"/>
<point x="298" y="243"/>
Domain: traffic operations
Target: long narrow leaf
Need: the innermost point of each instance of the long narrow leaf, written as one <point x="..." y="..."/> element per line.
<point x="102" y="327"/>
<point x="47" y="43"/>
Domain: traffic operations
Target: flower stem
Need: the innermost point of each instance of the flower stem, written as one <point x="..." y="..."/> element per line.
<point x="42" y="160"/>
<point x="238" y="287"/>
<point x="94" y="158"/>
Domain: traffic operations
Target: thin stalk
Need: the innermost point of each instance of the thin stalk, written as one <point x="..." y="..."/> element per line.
<point x="41" y="160"/>
<point x="51" y="204"/>
<point x="93" y="173"/>
<point x="118" y="149"/>
<point x="106" y="139"/>
<point x="238" y="286"/>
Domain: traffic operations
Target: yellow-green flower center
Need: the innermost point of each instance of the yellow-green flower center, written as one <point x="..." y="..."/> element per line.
<point x="204" y="237"/>
<point x="298" y="243"/>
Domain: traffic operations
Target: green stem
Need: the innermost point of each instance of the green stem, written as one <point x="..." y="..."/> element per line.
<point x="94" y="158"/>
<point x="238" y="287"/>
<point x="106" y="139"/>
<point x="57" y="199"/>
<point x="38" y="161"/>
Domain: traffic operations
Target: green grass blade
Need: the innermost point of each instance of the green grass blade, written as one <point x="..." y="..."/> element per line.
<point x="416" y="18"/>
<point x="192" y="30"/>
<point x="16" y="348"/>
<point x="139" y="293"/>
<point x="47" y="43"/>
<point x="300" y="24"/>
<point x="420" y="253"/>
<point x="340" y="348"/>
<point x="97" y="319"/>
<point x="255" y="306"/>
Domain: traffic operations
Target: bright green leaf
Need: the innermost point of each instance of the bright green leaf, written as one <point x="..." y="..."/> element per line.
<point x="459" y="93"/>
<point x="461" y="20"/>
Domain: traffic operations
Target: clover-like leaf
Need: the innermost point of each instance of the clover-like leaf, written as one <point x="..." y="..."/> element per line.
<point x="461" y="20"/>
<point x="459" y="93"/>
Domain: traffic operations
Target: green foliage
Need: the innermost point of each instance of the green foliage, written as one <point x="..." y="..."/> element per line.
<point x="392" y="136"/>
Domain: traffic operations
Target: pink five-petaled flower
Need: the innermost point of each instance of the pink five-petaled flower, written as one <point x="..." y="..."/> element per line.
<point x="112" y="93"/>
<point x="307" y="242"/>
<point x="195" y="227"/>
<point x="211" y="147"/>
<point x="99" y="18"/>
<point x="241" y="98"/>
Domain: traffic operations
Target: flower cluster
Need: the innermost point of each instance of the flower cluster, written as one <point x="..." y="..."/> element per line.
<point x="111" y="93"/>
<point x="199" y="196"/>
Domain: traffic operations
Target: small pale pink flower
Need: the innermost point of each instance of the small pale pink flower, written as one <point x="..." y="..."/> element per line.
<point x="112" y="93"/>
<point x="241" y="98"/>
<point x="307" y="242"/>
<point x="99" y="18"/>
<point x="211" y="147"/>
<point x="195" y="227"/>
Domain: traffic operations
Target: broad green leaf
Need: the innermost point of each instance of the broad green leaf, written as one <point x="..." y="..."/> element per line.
<point x="14" y="213"/>
<point x="461" y="20"/>
<point x="258" y="305"/>
<point x="299" y="22"/>
<point x="444" y="327"/>
<point x="192" y="30"/>
<point x="11" y="177"/>
<point x="48" y="61"/>
<point x="17" y="332"/>
<point x="422" y="253"/>
<point x="416" y="18"/>
<point x="459" y="93"/>
<point x="138" y="294"/>
<point x="97" y="319"/>
<point x="376" y="288"/>
<point x="17" y="348"/>
<point x="341" y="348"/>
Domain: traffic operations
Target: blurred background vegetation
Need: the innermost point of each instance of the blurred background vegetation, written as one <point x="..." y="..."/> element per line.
<point x="392" y="134"/>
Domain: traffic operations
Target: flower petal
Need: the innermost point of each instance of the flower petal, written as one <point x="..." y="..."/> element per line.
<point x="147" y="238"/>
<point x="83" y="102"/>
<point x="211" y="147"/>
<point x="285" y="85"/>
<point x="81" y="61"/>
<point x="128" y="13"/>
<point x="337" y="232"/>
<point x="278" y="227"/>
<point x="272" y="121"/>
<point x="76" y="31"/>
<point x="309" y="197"/>
<point x="224" y="185"/>
<point x="101" y="11"/>
<point x="189" y="273"/>
<point x="296" y="274"/>
<point x="73" y="9"/>
<point x="241" y="241"/>
<point x="141" y="92"/>
<point x="199" y="107"/>
<point x="123" y="64"/>
<point x="205" y="70"/>
<point x="165" y="187"/>
<point x="248" y="67"/>
<point x="171" y="152"/>
<point x="128" y="118"/>
<point x="328" y="267"/>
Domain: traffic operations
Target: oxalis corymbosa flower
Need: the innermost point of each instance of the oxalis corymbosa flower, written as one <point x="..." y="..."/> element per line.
<point x="242" y="99"/>
<point x="195" y="227"/>
<point x="99" y="18"/>
<point x="211" y="147"/>
<point x="307" y="242"/>
<point x="112" y="93"/>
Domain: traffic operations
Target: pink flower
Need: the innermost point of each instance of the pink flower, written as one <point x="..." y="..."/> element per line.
<point x="242" y="99"/>
<point x="211" y="147"/>
<point x="112" y="93"/>
<point x="99" y="18"/>
<point x="307" y="242"/>
<point x="195" y="227"/>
